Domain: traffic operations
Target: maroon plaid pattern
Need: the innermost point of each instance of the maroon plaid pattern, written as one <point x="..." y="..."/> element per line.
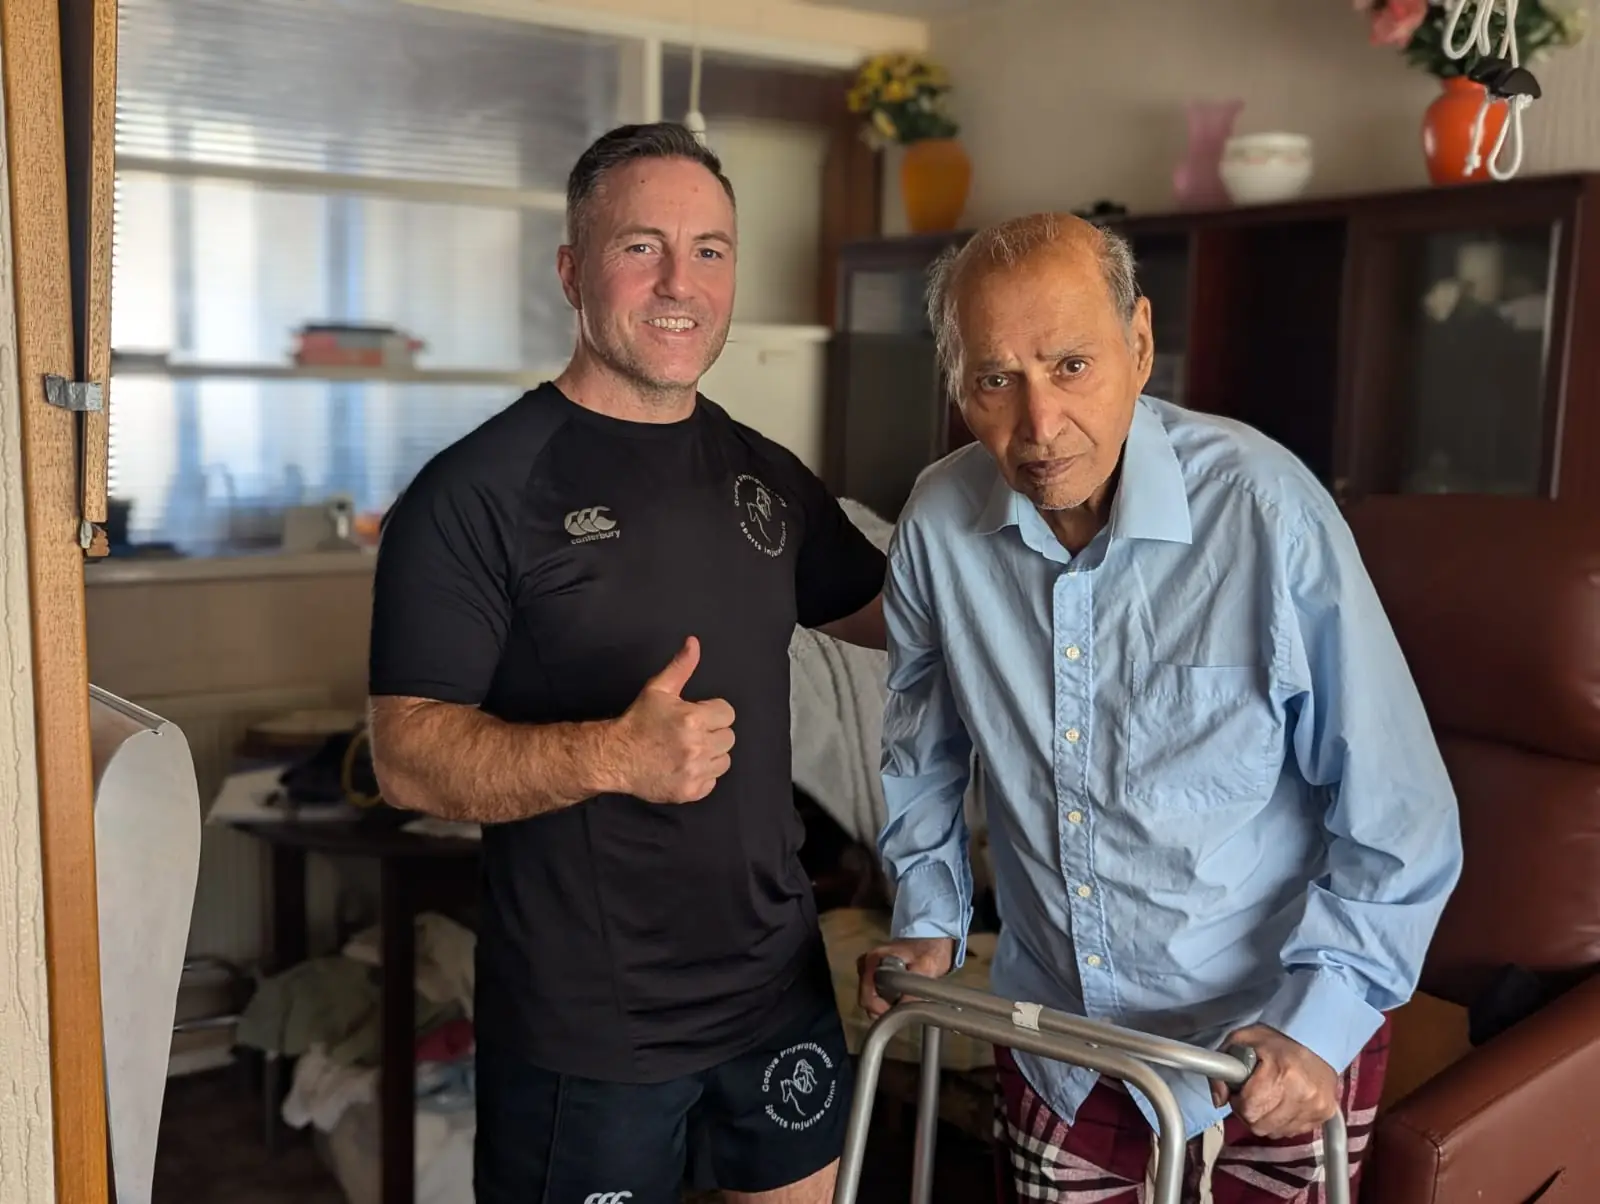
<point x="1103" y="1156"/>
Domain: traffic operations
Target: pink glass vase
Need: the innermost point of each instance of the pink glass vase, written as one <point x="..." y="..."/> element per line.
<point x="1195" y="181"/>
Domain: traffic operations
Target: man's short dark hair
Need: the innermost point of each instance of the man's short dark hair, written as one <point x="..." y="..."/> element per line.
<point x="625" y="144"/>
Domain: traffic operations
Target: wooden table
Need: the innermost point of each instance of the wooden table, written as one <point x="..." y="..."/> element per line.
<point x="414" y="870"/>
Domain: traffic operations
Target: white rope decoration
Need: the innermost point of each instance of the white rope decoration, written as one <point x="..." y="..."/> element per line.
<point x="1478" y="39"/>
<point x="694" y="119"/>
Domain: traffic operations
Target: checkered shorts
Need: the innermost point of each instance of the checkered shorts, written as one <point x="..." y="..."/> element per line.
<point x="1104" y="1155"/>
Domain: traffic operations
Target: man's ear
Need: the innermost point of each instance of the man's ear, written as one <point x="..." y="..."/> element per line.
<point x="567" y="269"/>
<point x="1141" y="339"/>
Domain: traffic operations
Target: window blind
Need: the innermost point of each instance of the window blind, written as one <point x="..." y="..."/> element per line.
<point x="367" y="87"/>
<point x="245" y="130"/>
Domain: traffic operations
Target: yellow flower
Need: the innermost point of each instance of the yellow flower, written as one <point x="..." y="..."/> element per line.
<point x="1574" y="24"/>
<point x="892" y="79"/>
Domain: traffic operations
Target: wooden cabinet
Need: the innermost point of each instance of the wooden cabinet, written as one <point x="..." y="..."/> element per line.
<point x="1441" y="340"/>
<point x="887" y="412"/>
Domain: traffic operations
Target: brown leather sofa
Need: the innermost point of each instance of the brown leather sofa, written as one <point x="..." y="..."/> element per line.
<point x="1496" y="605"/>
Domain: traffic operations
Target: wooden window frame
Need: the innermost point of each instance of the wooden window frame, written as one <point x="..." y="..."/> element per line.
<point x="59" y="73"/>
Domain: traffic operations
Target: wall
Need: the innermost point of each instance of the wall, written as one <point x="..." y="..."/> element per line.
<point x="1064" y="102"/>
<point x="776" y="171"/>
<point x="26" y="1172"/>
<point x="215" y="647"/>
<point x="160" y="634"/>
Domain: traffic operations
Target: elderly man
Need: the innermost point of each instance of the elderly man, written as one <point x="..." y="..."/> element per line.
<point x="1217" y="810"/>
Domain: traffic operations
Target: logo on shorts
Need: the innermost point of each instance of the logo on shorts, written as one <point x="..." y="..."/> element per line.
<point x="760" y="514"/>
<point x="590" y="524"/>
<point x="799" y="1086"/>
<point x="608" y="1197"/>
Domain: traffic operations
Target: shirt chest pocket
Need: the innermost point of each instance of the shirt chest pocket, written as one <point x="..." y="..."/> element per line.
<point x="1201" y="736"/>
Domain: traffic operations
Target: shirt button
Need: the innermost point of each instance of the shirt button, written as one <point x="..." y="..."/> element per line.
<point x="1084" y="892"/>
<point x="1093" y="960"/>
<point x="1073" y="653"/>
<point x="1074" y="817"/>
<point x="1072" y="735"/>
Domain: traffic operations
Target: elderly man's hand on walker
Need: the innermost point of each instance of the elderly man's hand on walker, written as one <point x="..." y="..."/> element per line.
<point x="1291" y="1091"/>
<point x="931" y="957"/>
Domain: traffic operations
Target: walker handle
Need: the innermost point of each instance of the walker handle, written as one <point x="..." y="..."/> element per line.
<point x="1119" y="1052"/>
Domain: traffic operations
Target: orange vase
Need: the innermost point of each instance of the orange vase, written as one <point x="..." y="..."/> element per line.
<point x="1447" y="131"/>
<point x="935" y="175"/>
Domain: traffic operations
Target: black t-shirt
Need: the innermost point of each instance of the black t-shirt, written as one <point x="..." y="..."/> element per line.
<point x="544" y="568"/>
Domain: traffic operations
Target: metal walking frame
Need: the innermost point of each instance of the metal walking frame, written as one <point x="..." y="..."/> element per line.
<point x="1118" y="1052"/>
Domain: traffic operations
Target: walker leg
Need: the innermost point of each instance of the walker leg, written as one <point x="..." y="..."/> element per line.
<point x="927" y="1118"/>
<point x="855" y="1135"/>
<point x="1336" y="1160"/>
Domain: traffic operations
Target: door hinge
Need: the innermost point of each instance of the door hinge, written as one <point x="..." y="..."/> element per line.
<point x="79" y="397"/>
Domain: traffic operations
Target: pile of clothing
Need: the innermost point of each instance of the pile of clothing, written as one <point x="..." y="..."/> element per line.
<point x="326" y="1014"/>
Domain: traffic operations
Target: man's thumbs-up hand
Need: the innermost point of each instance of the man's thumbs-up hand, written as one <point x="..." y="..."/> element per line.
<point x="671" y="680"/>
<point x="674" y="751"/>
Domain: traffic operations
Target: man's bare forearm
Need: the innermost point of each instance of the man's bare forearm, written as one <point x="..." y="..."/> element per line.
<point x="458" y="763"/>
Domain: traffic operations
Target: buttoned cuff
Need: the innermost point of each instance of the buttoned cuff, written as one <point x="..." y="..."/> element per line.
<point x="929" y="902"/>
<point x="1318" y="1009"/>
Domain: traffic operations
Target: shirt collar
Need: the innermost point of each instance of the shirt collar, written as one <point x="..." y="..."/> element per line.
<point x="1152" y="499"/>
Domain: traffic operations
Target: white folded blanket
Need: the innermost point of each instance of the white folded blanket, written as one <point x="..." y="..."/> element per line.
<point x="837" y="693"/>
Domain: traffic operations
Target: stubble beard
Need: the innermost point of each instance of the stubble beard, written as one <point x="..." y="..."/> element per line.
<point x="622" y="357"/>
<point x="1056" y="497"/>
<point x="1072" y="503"/>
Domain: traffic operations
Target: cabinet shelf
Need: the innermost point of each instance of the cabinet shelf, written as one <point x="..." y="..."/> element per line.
<point x="181" y="370"/>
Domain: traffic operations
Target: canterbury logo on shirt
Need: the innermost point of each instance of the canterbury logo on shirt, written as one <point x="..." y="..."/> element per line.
<point x="609" y="1197"/>
<point x="590" y="524"/>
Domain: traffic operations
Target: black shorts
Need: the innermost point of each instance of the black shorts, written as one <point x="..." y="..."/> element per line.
<point x="768" y="1118"/>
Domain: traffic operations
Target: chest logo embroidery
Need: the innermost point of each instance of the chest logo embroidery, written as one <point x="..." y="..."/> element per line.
<point x="591" y="523"/>
<point x="761" y="515"/>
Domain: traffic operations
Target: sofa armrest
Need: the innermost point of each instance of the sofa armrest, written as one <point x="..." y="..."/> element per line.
<point x="1512" y="1122"/>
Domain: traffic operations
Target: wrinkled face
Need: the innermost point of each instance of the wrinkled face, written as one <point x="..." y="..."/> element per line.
<point x="652" y="280"/>
<point x="1051" y="373"/>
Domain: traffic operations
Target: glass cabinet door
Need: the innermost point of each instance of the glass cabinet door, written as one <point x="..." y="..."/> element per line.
<point x="1455" y="389"/>
<point x="887" y="300"/>
<point x="1163" y="268"/>
<point x="887" y="414"/>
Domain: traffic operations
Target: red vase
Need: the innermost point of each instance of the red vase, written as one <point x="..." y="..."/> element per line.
<point x="1447" y="131"/>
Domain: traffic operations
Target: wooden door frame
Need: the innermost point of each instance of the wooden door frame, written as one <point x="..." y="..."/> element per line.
<point x="59" y="490"/>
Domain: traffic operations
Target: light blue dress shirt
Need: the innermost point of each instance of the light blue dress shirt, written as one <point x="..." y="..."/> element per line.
<point x="1214" y="798"/>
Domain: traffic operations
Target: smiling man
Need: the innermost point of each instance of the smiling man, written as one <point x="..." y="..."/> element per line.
<point x="576" y="608"/>
<point x="1216" y="809"/>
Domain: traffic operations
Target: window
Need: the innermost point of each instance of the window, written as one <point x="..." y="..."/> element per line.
<point x="283" y="162"/>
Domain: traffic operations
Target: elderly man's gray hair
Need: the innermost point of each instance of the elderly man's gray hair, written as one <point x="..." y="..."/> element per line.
<point x="1008" y="244"/>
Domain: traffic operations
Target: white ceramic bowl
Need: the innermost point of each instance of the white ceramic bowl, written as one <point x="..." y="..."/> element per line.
<point x="1257" y="169"/>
